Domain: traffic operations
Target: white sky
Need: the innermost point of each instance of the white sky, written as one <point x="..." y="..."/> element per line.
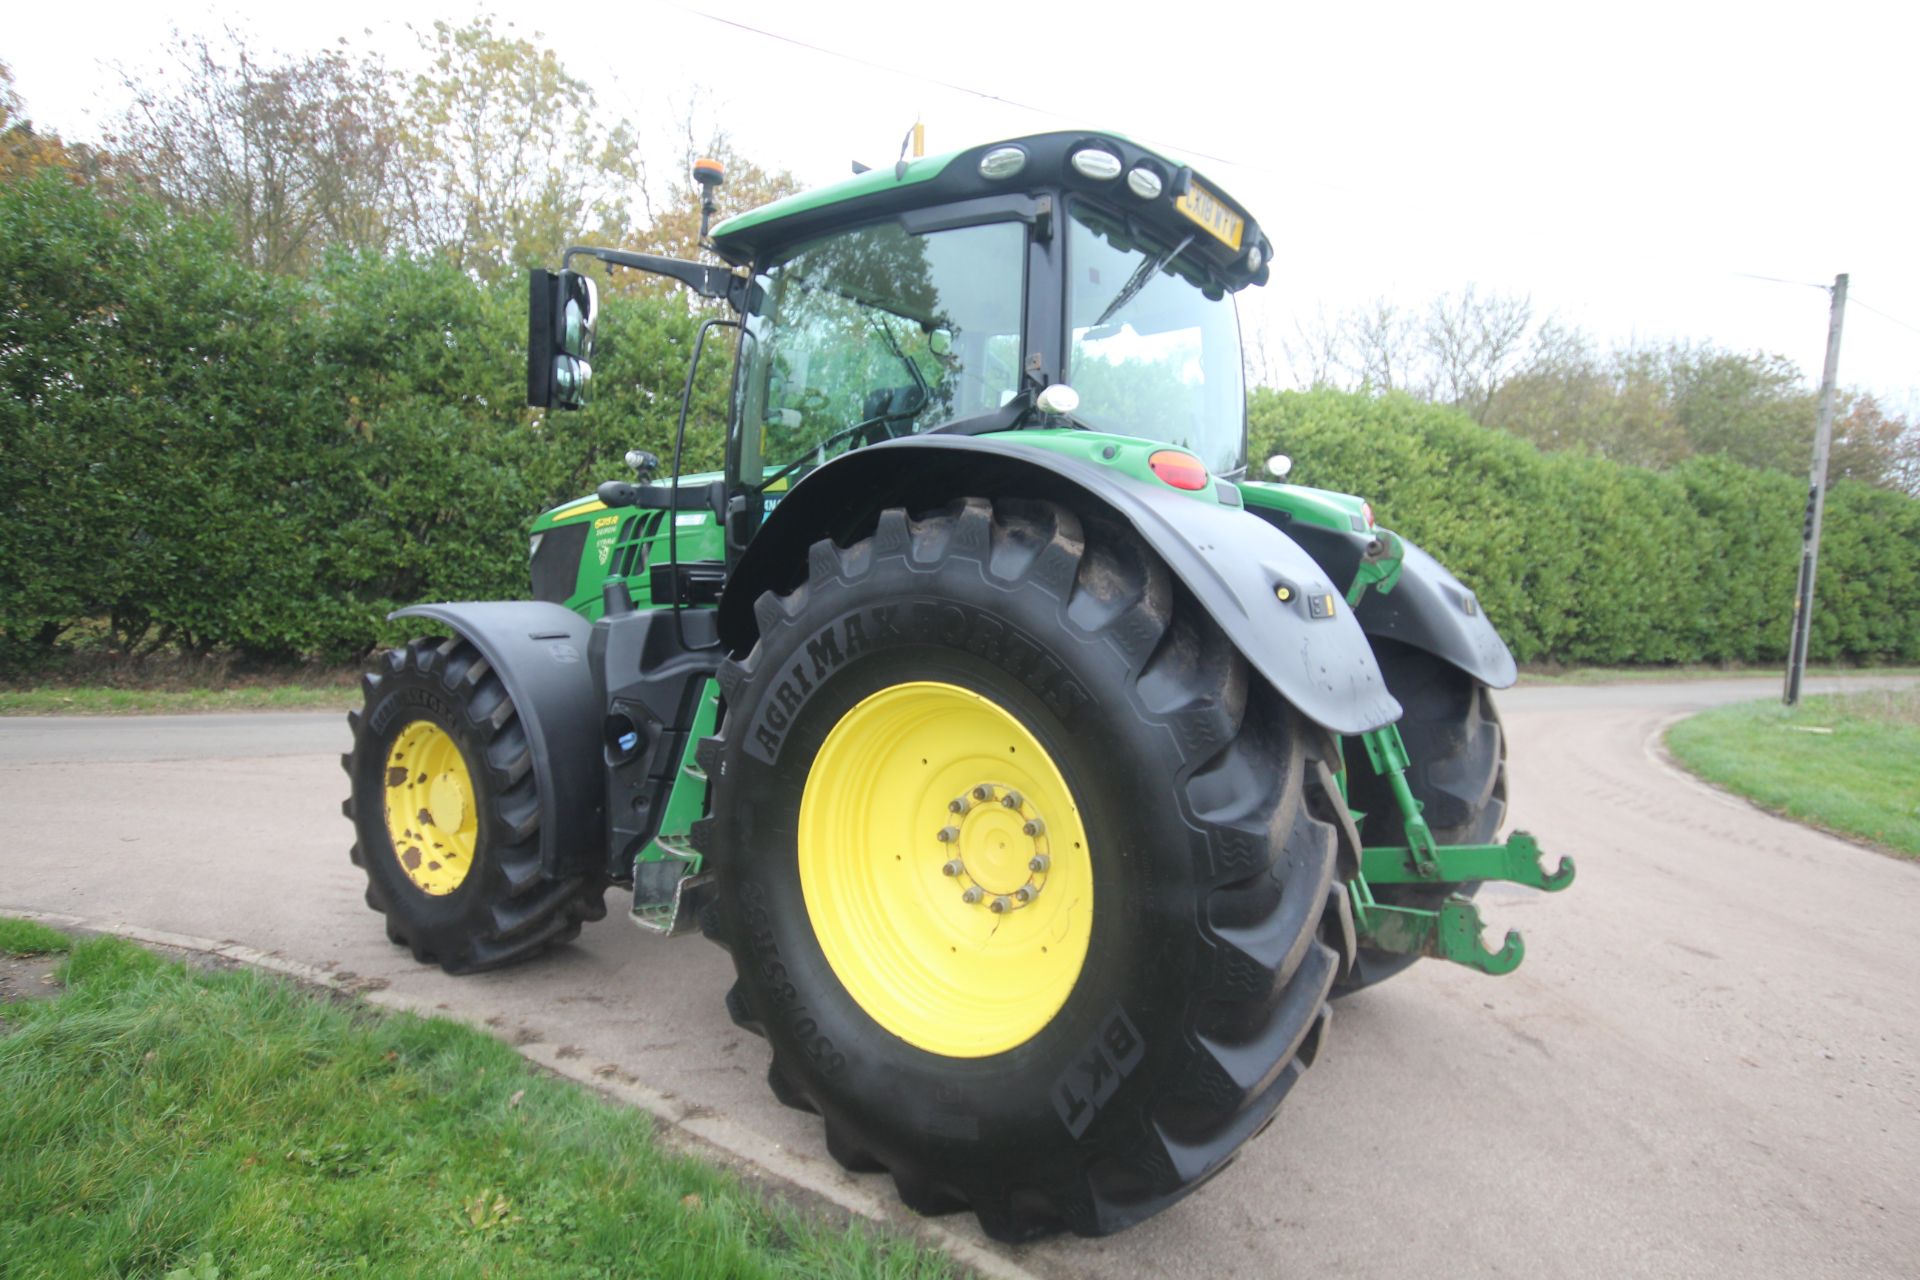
<point x="1619" y="162"/>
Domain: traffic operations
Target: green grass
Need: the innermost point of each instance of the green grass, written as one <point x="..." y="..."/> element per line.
<point x="1861" y="780"/>
<point x="90" y="700"/>
<point x="1638" y="675"/>
<point x="27" y="938"/>
<point x="161" y="1121"/>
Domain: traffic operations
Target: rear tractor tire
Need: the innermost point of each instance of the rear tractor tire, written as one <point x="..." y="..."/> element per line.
<point x="1030" y="886"/>
<point x="1458" y="771"/>
<point x="446" y="814"/>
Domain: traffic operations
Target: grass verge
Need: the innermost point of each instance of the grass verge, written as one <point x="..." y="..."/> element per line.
<point x="229" y="1124"/>
<point x="90" y="700"/>
<point x="1845" y="762"/>
<point x="30" y="938"/>
<point x="1663" y="675"/>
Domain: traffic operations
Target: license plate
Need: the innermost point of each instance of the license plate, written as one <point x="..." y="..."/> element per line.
<point x="1205" y="208"/>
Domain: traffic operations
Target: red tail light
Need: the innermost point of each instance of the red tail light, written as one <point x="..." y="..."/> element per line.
<point x="1181" y="470"/>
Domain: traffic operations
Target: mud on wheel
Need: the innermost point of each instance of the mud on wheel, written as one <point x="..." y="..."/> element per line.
<point x="1458" y="772"/>
<point x="1030" y="886"/>
<point x="446" y="817"/>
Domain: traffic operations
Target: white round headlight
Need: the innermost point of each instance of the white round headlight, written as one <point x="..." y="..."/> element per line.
<point x="1002" y="162"/>
<point x="1095" y="163"/>
<point x="1143" y="182"/>
<point x="1255" y="258"/>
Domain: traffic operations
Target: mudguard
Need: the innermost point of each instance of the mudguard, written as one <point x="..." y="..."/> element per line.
<point x="539" y="651"/>
<point x="1431" y="609"/>
<point x="1309" y="646"/>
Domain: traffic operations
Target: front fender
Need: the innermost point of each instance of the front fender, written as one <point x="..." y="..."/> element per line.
<point x="1309" y="646"/>
<point x="539" y="651"/>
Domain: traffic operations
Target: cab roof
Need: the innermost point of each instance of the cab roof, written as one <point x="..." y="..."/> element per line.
<point x="1181" y="202"/>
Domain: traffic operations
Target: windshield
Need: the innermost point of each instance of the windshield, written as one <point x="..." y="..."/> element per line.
<point x="874" y="333"/>
<point x="1152" y="354"/>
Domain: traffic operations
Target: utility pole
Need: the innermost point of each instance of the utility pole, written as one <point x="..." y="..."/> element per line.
<point x="1816" y="502"/>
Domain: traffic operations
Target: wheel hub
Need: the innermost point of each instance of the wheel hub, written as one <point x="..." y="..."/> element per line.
<point x="996" y="843"/>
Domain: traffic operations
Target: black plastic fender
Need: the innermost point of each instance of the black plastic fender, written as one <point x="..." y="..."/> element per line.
<point x="539" y="651"/>
<point x="1309" y="646"/>
<point x="1431" y="609"/>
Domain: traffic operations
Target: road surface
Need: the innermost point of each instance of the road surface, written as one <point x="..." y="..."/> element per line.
<point x="1706" y="1066"/>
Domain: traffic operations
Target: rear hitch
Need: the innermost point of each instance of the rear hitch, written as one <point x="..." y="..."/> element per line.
<point x="1453" y="931"/>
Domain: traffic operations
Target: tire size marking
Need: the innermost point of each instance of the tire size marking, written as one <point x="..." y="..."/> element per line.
<point x="804" y="1028"/>
<point x="953" y="625"/>
<point x="1097" y="1070"/>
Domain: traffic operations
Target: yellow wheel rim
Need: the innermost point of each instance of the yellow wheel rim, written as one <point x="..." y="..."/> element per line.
<point x="431" y="816"/>
<point x="945" y="869"/>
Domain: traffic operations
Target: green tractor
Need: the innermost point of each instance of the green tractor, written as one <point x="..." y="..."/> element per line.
<point x="1043" y="774"/>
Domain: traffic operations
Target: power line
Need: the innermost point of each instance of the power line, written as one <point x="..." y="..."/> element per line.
<point x="1806" y="284"/>
<point x="933" y="80"/>
<point x="1858" y="301"/>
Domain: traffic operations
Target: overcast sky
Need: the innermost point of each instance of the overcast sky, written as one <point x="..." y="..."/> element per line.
<point x="1620" y="163"/>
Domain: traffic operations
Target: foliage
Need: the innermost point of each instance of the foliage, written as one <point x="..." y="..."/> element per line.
<point x="1578" y="559"/>
<point x="208" y="456"/>
<point x="509" y="157"/>
<point x="494" y="156"/>
<point x="1643" y="405"/>
<point x="298" y="155"/>
<point x="1842" y="761"/>
<point x="24" y="151"/>
<point x="228" y="1124"/>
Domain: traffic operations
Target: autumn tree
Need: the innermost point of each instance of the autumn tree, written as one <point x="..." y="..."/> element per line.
<point x="297" y="155"/>
<point x="509" y="158"/>
<point x="25" y="151"/>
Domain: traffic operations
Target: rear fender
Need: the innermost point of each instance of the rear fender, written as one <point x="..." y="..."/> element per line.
<point x="1431" y="609"/>
<point x="1308" y="646"/>
<point x="1427" y="608"/>
<point x="539" y="651"/>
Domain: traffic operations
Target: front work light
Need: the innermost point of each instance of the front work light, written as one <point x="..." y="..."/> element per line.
<point x="1095" y="163"/>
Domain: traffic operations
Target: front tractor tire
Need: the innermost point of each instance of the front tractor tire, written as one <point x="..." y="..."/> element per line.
<point x="1457" y="751"/>
<point x="446" y="814"/>
<point x="1029" y="884"/>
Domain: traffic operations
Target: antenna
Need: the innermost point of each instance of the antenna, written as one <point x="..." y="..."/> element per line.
<point x="709" y="173"/>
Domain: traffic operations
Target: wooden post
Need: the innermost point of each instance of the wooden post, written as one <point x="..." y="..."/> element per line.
<point x="1816" y="502"/>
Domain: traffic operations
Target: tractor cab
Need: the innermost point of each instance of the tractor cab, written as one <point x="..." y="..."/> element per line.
<point x="947" y="295"/>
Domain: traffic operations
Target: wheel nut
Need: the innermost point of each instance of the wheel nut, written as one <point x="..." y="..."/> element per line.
<point x="973" y="894"/>
<point x="983" y="792"/>
<point x="960" y="804"/>
<point x="948" y="835"/>
<point x="1033" y="827"/>
<point x="1000" y="905"/>
<point x="1011" y="799"/>
<point x="953" y="868"/>
<point x="1039" y="862"/>
<point x="1025" y="894"/>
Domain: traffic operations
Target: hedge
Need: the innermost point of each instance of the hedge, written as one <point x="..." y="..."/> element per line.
<point x="195" y="454"/>
<point x="1581" y="560"/>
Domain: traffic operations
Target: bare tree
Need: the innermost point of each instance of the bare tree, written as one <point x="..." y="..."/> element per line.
<point x="1316" y="352"/>
<point x="1381" y="348"/>
<point x="1474" y="341"/>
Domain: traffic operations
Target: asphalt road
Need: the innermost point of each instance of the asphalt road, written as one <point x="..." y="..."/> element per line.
<point x="1706" y="1066"/>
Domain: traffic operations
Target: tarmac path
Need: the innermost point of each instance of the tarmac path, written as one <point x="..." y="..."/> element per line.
<point x="1706" y="1066"/>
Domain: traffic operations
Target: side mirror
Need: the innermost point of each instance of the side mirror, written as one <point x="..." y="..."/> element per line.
<point x="562" y="310"/>
<point x="1279" y="465"/>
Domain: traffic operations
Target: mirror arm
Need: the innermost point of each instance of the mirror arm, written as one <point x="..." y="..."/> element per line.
<point x="707" y="281"/>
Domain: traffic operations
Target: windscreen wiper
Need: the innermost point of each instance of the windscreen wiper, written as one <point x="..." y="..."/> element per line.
<point x="1146" y="271"/>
